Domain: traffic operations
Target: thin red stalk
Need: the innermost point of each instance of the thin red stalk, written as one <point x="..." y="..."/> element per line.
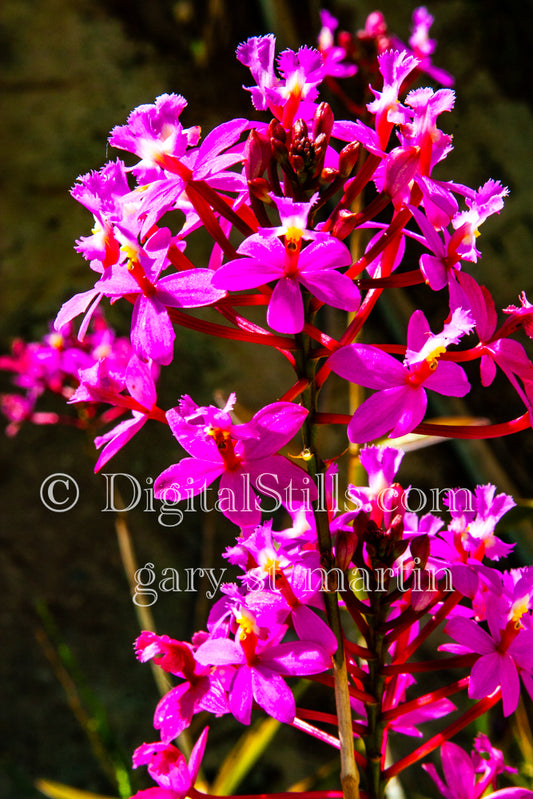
<point x="456" y="662"/>
<point x="357" y="651"/>
<point x="355" y="188"/>
<point x="479" y="431"/>
<point x="332" y="418"/>
<point x="243" y="300"/>
<point x="327" y="718"/>
<point x="449" y="603"/>
<point x="352" y="330"/>
<point x="222" y="331"/>
<point x="178" y="259"/>
<point x="192" y="792"/>
<point x="356" y="693"/>
<point x="310" y="729"/>
<point x="221" y="204"/>
<point x="388" y="235"/>
<point x="317" y="335"/>
<point x="396" y="627"/>
<point x="123" y="401"/>
<point x="295" y="390"/>
<point x="481" y="707"/>
<point x="304" y="726"/>
<point x="412" y="278"/>
<point x="356" y="609"/>
<point x="210" y="222"/>
<point x="240" y="321"/>
<point x="426" y="699"/>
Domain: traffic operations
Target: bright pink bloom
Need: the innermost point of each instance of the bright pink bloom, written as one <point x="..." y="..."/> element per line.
<point x="502" y="654"/>
<point x="400" y="401"/>
<point x="242" y="455"/>
<point x="169" y="768"/>
<point x="468" y="777"/>
<point x="314" y="267"/>
<point x="153" y="132"/>
<point x="260" y="666"/>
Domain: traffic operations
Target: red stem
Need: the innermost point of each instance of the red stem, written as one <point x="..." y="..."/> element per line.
<point x="222" y="331"/>
<point x="474" y="712"/>
<point x="456" y="662"/>
<point x="426" y="699"/>
<point x="192" y="792"/>
<point x="327" y="718"/>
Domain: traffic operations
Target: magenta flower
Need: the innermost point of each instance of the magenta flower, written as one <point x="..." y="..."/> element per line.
<point x="468" y="777"/>
<point x="169" y="768"/>
<point x="200" y="690"/>
<point x="395" y="66"/>
<point x="295" y="91"/>
<point x="423" y="47"/>
<point x="259" y="668"/>
<point x="140" y="383"/>
<point x="314" y="268"/>
<point x="400" y="401"/>
<point x="241" y="455"/>
<point x="152" y="332"/>
<point x="153" y="131"/>
<point x="502" y="654"/>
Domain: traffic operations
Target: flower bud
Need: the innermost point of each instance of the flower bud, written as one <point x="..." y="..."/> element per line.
<point x="257" y="154"/>
<point x="260" y="188"/>
<point x="345" y="547"/>
<point x="344" y="224"/>
<point x="348" y="158"/>
<point x="323" y="121"/>
<point x="420" y="548"/>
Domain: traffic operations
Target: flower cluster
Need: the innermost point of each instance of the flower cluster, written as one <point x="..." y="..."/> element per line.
<point x="280" y="199"/>
<point x="57" y="365"/>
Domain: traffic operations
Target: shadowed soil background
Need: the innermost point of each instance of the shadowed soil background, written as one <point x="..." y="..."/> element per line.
<point x="70" y="71"/>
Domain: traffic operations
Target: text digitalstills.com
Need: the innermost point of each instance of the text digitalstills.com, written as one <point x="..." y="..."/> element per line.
<point x="124" y="492"/>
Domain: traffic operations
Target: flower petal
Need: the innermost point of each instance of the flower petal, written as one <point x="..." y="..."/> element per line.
<point x="286" y="309"/>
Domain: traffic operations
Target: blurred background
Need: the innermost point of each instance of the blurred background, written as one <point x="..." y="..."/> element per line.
<point x="70" y="71"/>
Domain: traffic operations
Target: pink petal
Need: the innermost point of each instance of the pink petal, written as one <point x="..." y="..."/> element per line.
<point x="219" y="652"/>
<point x="152" y="334"/>
<point x="510" y="684"/>
<point x="332" y="288"/>
<point x="308" y="626"/>
<point x="192" y="289"/>
<point x="458" y="770"/>
<point x="196" y="755"/>
<point x="367" y="366"/>
<point x="185" y="479"/>
<point x="391" y="409"/>
<point x="448" y="379"/>
<point x="241" y="695"/>
<point x="272" y="693"/>
<point x="297" y="658"/>
<point x="467" y="632"/>
<point x="485" y="676"/>
<point x="237" y="500"/>
<point x="286" y="309"/>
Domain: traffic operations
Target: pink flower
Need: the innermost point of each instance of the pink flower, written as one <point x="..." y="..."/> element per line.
<point x="400" y="402"/>
<point x="503" y="653"/>
<point x="314" y="268"/>
<point x="242" y="455"/>
<point x="168" y="767"/>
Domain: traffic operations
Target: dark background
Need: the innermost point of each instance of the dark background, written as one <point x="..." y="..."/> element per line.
<point x="71" y="70"/>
